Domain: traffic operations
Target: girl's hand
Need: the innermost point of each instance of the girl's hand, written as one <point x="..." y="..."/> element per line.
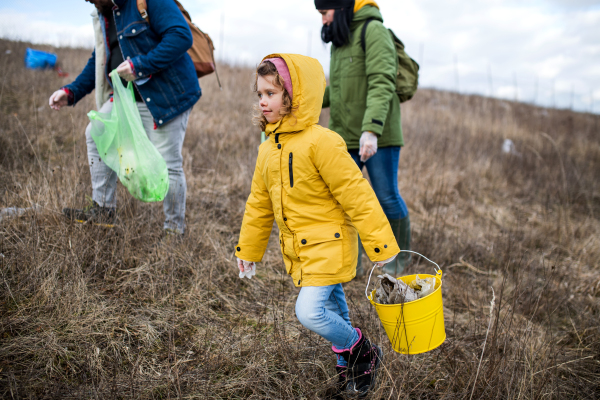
<point x="368" y="145"/>
<point x="247" y="268"/>
<point x="389" y="260"/>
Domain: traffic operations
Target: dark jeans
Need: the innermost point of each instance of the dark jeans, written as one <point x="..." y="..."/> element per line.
<point x="383" y="172"/>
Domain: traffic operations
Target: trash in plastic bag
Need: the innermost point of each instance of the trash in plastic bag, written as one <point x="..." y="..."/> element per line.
<point x="423" y="287"/>
<point x="390" y="290"/>
<point x="124" y="146"/>
<point x="37" y="59"/>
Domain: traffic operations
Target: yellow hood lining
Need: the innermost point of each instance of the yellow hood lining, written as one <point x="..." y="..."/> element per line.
<point x="361" y="3"/>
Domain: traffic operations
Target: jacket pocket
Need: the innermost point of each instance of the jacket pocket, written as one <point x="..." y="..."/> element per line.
<point x="291" y="167"/>
<point x="286" y="242"/>
<point x="138" y="40"/>
<point x="288" y="263"/>
<point x="356" y="67"/>
<point x="321" y="250"/>
<point x="135" y="29"/>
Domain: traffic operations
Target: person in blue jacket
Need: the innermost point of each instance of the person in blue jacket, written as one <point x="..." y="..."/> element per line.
<point x="153" y="54"/>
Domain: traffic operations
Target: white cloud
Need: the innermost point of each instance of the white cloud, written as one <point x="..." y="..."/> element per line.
<point x="20" y="26"/>
<point x="578" y="4"/>
<point x="508" y="92"/>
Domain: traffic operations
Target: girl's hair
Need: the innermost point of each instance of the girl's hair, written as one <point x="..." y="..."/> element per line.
<point x="267" y="68"/>
<point x="338" y="32"/>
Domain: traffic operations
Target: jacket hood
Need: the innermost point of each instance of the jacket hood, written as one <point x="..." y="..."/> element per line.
<point x="308" y="86"/>
<point x="358" y="4"/>
<point x="369" y="9"/>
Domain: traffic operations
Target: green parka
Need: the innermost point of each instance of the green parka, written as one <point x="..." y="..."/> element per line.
<point x="362" y="89"/>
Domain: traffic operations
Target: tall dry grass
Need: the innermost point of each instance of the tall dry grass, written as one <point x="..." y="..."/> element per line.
<point x="97" y="313"/>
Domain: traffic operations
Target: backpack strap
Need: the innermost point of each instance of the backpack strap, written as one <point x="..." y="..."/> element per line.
<point x="143" y="9"/>
<point x="362" y="33"/>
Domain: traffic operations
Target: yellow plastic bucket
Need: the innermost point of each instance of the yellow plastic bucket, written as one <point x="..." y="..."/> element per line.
<point x="417" y="326"/>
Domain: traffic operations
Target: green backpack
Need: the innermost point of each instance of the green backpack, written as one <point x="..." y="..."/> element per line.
<point x="407" y="78"/>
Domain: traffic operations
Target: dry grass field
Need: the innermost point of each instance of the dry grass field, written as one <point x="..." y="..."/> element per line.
<point x="95" y="313"/>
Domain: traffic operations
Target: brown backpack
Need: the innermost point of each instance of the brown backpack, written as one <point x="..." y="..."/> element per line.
<point x="201" y="52"/>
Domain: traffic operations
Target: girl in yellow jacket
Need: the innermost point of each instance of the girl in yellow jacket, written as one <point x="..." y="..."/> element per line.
<point x="307" y="182"/>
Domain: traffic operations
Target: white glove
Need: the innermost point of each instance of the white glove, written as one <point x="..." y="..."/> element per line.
<point x="368" y="145"/>
<point x="125" y="72"/>
<point x="247" y="268"/>
<point x="389" y="260"/>
<point x="58" y="99"/>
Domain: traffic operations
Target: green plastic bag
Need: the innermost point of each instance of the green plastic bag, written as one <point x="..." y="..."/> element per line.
<point x="124" y="146"/>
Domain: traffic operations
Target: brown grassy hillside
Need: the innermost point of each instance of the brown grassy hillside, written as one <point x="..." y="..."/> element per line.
<point x="96" y="313"/>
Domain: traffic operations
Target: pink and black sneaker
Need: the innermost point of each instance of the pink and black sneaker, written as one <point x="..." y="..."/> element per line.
<point x="363" y="359"/>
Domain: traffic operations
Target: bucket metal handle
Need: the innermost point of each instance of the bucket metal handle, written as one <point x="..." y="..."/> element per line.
<point x="438" y="270"/>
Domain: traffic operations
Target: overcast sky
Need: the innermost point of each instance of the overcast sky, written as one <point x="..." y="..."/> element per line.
<point x="547" y="51"/>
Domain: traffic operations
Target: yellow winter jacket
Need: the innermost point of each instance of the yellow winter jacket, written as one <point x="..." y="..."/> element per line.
<point x="307" y="182"/>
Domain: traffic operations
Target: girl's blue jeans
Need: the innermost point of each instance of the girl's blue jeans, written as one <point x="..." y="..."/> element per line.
<point x="383" y="172"/>
<point x="323" y="310"/>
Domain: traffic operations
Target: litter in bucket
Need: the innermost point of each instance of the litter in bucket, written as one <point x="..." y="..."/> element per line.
<point x="416" y="326"/>
<point x="390" y="290"/>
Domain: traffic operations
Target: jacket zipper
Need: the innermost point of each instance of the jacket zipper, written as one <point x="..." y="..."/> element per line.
<point x="291" y="165"/>
<point x="106" y="46"/>
<point x="277" y="138"/>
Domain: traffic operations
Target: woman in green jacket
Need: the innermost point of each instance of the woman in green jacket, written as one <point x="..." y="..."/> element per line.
<point x="365" y="109"/>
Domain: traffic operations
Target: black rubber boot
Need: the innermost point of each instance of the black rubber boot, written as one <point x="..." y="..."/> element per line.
<point x="93" y="214"/>
<point x="363" y="359"/>
<point x="401" y="229"/>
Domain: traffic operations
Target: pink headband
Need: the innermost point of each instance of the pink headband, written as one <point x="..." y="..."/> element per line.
<point x="284" y="72"/>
